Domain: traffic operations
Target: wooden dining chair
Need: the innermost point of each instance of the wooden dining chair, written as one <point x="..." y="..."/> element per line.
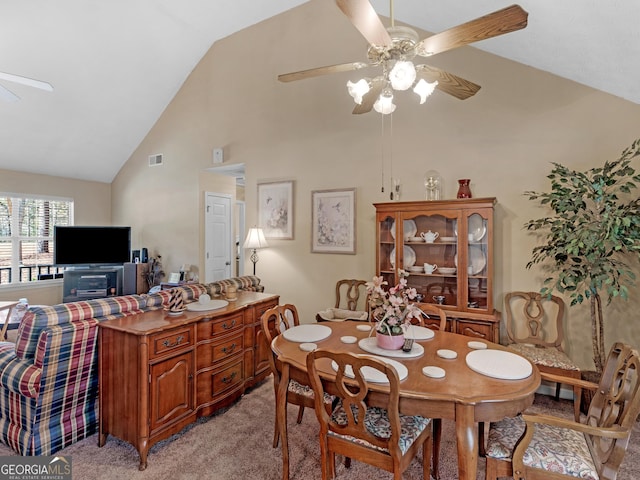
<point x="273" y="322"/>
<point x="376" y="434"/>
<point x="351" y="302"/>
<point x="552" y="447"/>
<point x="534" y="327"/>
<point x="434" y="317"/>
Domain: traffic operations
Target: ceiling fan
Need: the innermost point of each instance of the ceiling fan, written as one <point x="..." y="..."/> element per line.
<point x="395" y="47"/>
<point x="8" y="96"/>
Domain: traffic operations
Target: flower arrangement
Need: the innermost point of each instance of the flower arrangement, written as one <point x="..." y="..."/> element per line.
<point x="392" y="308"/>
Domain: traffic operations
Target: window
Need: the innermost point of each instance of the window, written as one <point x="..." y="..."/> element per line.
<point x="26" y="236"/>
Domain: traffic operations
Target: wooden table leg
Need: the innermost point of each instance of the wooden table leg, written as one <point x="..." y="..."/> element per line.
<point x="467" y="438"/>
<point x="281" y="412"/>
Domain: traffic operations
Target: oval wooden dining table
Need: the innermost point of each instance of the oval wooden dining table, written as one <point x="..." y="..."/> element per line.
<point x="462" y="395"/>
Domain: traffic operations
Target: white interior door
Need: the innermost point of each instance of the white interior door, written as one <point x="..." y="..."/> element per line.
<point x="218" y="237"/>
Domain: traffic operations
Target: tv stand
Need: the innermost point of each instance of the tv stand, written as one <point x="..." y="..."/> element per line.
<point x="85" y="283"/>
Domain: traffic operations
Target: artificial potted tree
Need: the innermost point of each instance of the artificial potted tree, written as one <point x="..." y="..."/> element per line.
<point x="591" y="239"/>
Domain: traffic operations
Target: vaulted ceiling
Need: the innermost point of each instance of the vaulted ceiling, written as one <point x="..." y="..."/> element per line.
<point x="115" y="65"/>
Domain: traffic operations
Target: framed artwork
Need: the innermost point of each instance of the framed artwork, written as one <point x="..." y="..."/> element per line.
<point x="333" y="221"/>
<point x="275" y="209"/>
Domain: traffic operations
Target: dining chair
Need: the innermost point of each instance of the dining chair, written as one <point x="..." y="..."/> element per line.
<point x="377" y="434"/>
<point x="434" y="317"/>
<point x="552" y="447"/>
<point x="274" y="321"/>
<point x="350" y="304"/>
<point x="534" y="328"/>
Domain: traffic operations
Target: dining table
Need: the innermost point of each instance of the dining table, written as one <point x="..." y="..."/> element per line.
<point x="444" y="376"/>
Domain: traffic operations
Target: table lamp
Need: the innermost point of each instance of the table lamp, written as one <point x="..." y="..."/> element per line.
<point x="255" y="240"/>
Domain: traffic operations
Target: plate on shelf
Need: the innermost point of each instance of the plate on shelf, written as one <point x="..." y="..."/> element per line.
<point x="409" y="257"/>
<point x="410" y="229"/>
<point x="477" y="260"/>
<point x="477" y="227"/>
<point x="373" y="375"/>
<point x="448" y="239"/>
<point x="370" y="345"/>
<point x="416" y="269"/>
<point x="447" y="270"/>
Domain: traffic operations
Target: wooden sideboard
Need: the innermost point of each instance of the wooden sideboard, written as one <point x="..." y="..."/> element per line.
<point x="159" y="373"/>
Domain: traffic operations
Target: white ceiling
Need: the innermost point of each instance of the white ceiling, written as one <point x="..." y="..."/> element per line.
<point x="115" y="65"/>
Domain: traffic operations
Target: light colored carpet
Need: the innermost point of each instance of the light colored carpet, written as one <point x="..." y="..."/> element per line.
<point x="236" y="444"/>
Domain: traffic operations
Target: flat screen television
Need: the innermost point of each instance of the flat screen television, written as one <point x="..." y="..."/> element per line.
<point x="91" y="246"/>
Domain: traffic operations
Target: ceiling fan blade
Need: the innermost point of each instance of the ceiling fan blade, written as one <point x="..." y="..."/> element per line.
<point x="369" y="98"/>
<point x="7" y="95"/>
<point x="447" y="82"/>
<point x="26" y="81"/>
<point x="503" y="21"/>
<point x="316" y="72"/>
<point x="363" y="16"/>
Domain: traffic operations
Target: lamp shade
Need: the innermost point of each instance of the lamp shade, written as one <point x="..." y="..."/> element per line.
<point x="255" y="239"/>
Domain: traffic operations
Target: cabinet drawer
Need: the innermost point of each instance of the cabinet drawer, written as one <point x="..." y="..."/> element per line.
<point x="219" y="326"/>
<point x="263" y="307"/>
<point x="213" y="383"/>
<point x="169" y="341"/>
<point x="476" y="329"/>
<point x="211" y="352"/>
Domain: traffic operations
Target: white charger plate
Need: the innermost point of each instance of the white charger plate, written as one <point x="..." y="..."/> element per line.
<point x="409" y="227"/>
<point x="307" y="333"/>
<point x="419" y="333"/>
<point x="370" y="345"/>
<point x="203" y="307"/>
<point x="477" y="260"/>
<point x="499" y="364"/>
<point x="373" y="375"/>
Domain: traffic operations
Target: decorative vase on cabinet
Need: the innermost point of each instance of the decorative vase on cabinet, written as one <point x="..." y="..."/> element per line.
<point x="463" y="251"/>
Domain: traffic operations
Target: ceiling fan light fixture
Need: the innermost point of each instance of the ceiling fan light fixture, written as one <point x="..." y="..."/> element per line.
<point x="358" y="89"/>
<point x="423" y="89"/>
<point x="402" y="75"/>
<point x="384" y="104"/>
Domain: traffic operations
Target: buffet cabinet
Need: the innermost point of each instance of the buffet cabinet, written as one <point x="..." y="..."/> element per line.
<point x="159" y="373"/>
<point x="446" y="249"/>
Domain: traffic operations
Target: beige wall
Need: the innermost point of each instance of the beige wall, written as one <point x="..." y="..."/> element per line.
<point x="92" y="206"/>
<point x="504" y="139"/>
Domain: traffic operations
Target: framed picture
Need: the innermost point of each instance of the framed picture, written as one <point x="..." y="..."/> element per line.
<point x="275" y="209"/>
<point x="333" y="221"/>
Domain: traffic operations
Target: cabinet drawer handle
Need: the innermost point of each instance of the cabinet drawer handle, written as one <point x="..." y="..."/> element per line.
<point x="229" y="379"/>
<point x="230" y="349"/>
<point x="167" y="343"/>
<point x="227" y="327"/>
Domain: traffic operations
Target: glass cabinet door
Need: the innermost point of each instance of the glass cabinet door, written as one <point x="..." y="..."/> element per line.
<point x="478" y="260"/>
<point x="386" y="248"/>
<point x="430" y="247"/>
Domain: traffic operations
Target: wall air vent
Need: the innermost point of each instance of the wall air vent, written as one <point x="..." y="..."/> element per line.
<point x="155" y="160"/>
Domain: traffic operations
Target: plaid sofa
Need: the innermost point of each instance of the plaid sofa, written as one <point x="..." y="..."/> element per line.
<point x="49" y="377"/>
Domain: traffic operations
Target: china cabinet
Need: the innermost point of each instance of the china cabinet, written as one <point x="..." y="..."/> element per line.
<point x="446" y="247"/>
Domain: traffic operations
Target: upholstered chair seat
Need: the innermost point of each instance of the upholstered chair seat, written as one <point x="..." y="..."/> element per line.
<point x="547" y="357"/>
<point x="377" y="422"/>
<point x="553" y="449"/>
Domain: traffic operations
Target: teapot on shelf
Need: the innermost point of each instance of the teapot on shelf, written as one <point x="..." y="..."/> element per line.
<point x="429" y="236"/>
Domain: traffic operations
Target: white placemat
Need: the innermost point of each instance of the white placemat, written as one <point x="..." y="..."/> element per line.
<point x="370" y="345"/>
<point x="210" y="305"/>
<point x="499" y="364"/>
<point x="307" y="333"/>
<point x="419" y="333"/>
<point x="373" y="375"/>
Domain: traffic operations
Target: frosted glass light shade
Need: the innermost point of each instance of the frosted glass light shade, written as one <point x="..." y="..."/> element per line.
<point x="402" y="75"/>
<point x="358" y="90"/>
<point x="384" y="104"/>
<point x="423" y="89"/>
